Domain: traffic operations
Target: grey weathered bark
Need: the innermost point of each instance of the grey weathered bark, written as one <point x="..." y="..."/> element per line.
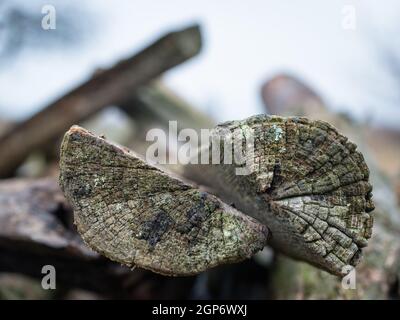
<point x="104" y="89"/>
<point x="137" y="215"/>
<point x="310" y="188"/>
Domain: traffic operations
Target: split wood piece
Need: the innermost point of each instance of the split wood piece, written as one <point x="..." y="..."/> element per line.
<point x="311" y="188"/>
<point x="105" y="89"/>
<point x="135" y="214"/>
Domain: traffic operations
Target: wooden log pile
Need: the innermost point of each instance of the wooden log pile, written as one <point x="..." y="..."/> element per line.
<point x="310" y="200"/>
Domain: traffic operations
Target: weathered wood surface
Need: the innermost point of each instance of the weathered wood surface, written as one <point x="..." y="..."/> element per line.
<point x="106" y="88"/>
<point x="378" y="274"/>
<point x="36" y="229"/>
<point x="311" y="188"/>
<point x="135" y="214"/>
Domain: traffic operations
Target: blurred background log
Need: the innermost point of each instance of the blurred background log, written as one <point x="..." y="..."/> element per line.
<point x="35" y="223"/>
<point x="150" y="106"/>
<point x="158" y="103"/>
<point x="104" y="89"/>
<point x="153" y="106"/>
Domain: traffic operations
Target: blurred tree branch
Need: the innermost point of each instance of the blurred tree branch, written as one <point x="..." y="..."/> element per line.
<point x="106" y="88"/>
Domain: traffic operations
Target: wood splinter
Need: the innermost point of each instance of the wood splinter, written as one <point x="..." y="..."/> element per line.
<point x="135" y="214"/>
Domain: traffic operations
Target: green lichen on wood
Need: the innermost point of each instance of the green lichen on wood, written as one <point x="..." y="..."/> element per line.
<point x="310" y="187"/>
<point x="135" y="214"/>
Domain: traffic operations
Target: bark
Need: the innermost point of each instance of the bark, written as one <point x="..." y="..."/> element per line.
<point x="309" y="186"/>
<point x="106" y="88"/>
<point x="135" y="214"/>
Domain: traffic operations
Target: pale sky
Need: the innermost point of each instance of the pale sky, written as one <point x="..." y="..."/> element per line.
<point x="245" y="43"/>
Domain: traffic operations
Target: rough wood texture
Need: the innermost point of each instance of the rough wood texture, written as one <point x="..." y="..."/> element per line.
<point x="311" y="189"/>
<point x="106" y="88"/>
<point x="378" y="275"/>
<point x="137" y="215"/>
<point x="36" y="229"/>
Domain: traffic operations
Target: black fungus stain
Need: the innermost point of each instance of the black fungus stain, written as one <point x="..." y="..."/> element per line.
<point x="196" y="215"/>
<point x="154" y="229"/>
<point x="83" y="191"/>
<point x="276" y="178"/>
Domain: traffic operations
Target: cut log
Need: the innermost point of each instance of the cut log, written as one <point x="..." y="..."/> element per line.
<point x="378" y="274"/>
<point x="135" y="214"/>
<point x="311" y="189"/>
<point x="106" y="88"/>
<point x="308" y="184"/>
